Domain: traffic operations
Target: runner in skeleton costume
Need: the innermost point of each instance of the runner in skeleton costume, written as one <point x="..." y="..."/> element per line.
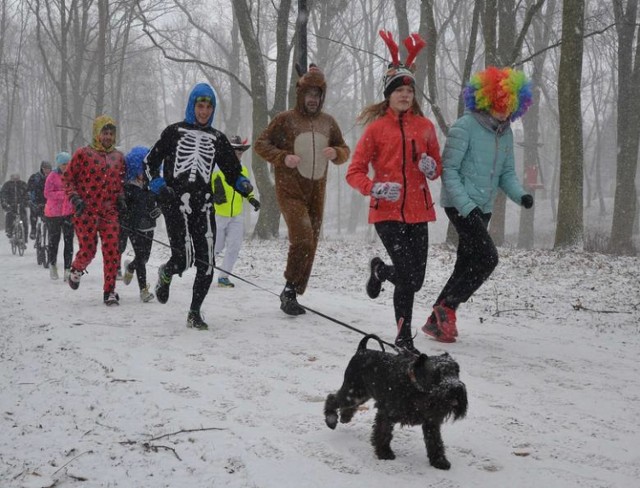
<point x="189" y="151"/>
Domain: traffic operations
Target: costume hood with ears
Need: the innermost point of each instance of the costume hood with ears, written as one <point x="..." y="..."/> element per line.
<point x="98" y="124"/>
<point x="314" y="78"/>
<point x="199" y="92"/>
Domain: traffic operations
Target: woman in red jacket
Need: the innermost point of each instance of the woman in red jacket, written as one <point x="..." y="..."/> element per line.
<point x="400" y="145"/>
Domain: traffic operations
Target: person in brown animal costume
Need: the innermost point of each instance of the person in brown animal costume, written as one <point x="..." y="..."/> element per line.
<point x="300" y="143"/>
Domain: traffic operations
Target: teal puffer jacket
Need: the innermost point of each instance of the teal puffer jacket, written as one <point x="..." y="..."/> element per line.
<point x="477" y="160"/>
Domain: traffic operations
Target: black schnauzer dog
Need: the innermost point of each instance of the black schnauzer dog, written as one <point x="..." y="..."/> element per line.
<point x="408" y="389"/>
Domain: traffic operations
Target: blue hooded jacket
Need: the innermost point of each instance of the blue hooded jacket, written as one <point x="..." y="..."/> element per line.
<point x="200" y="90"/>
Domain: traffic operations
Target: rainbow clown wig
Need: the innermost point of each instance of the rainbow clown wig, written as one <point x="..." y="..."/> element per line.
<point x="498" y="91"/>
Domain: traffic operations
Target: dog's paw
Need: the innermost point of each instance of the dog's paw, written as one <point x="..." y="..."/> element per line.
<point x="385" y="454"/>
<point x="440" y="463"/>
<point x="331" y="419"/>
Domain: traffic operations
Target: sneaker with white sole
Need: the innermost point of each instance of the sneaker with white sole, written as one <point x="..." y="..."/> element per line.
<point x="74" y="278"/>
<point x="111" y="298"/>
<point x="53" y="272"/>
<point x="128" y="275"/>
<point x="67" y="272"/>
<point x="146" y="295"/>
<point x="225" y="283"/>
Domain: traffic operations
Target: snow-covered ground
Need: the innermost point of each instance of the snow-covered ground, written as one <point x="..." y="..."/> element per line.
<point x="128" y="396"/>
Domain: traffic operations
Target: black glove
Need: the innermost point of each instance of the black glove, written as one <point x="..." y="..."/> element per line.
<point x="219" y="196"/>
<point x="166" y="194"/>
<point x="78" y="205"/>
<point x="254" y="203"/>
<point x="476" y="213"/>
<point x="121" y="204"/>
<point x="526" y="201"/>
<point x="6" y="207"/>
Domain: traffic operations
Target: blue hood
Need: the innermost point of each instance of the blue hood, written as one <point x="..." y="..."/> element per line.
<point x="200" y="90"/>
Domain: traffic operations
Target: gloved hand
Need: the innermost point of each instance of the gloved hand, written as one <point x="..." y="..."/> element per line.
<point x="78" y="205"/>
<point x="428" y="166"/>
<point x="527" y="201"/>
<point x="386" y="191"/>
<point x="254" y="203"/>
<point x="6" y="207"/>
<point x="121" y="203"/>
<point x="157" y="184"/>
<point x="159" y="187"/>
<point x="476" y="213"/>
<point x="243" y="186"/>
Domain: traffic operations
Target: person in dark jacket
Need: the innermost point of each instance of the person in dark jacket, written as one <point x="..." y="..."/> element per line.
<point x="188" y="151"/>
<point x="400" y="145"/>
<point x="15" y="199"/>
<point x="138" y="220"/>
<point x="37" y="200"/>
<point x="477" y="161"/>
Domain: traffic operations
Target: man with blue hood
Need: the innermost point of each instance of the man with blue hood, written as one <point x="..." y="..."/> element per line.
<point x="188" y="152"/>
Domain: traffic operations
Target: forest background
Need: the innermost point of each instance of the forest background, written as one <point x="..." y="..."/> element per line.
<point x="63" y="62"/>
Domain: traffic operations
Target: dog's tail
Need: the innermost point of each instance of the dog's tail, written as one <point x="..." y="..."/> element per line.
<point x="363" y="343"/>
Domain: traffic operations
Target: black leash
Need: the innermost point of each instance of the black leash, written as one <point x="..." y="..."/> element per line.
<point x="255" y="285"/>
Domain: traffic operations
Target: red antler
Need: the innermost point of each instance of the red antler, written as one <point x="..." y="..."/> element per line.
<point x="387" y="37"/>
<point x="414" y="44"/>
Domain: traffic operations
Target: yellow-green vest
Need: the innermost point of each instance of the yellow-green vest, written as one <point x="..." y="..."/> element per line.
<point x="233" y="204"/>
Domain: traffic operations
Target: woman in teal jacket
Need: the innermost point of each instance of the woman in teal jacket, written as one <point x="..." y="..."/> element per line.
<point x="477" y="161"/>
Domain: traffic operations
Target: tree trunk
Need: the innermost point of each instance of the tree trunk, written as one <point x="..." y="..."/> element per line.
<point x="628" y="125"/>
<point x="570" y="225"/>
<point x="101" y="54"/>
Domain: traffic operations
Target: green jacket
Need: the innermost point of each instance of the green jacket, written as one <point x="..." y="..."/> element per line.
<point x="227" y="201"/>
<point x="477" y="160"/>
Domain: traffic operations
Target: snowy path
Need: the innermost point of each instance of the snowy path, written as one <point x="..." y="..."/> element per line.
<point x="554" y="392"/>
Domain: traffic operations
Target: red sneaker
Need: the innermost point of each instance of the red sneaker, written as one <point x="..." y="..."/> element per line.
<point x="431" y="329"/>
<point x="446" y="318"/>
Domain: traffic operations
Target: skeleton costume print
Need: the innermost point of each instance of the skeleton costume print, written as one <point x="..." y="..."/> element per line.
<point x="187" y="153"/>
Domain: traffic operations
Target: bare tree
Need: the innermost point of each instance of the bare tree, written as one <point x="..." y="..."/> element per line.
<point x="570" y="225"/>
<point x="628" y="125"/>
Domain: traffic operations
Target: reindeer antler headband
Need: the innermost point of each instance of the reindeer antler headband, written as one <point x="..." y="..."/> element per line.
<point x="398" y="73"/>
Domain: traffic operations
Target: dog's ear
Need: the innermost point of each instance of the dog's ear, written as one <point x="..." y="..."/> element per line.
<point x="420" y="362"/>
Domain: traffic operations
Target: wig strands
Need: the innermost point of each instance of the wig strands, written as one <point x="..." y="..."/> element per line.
<point x="499" y="91"/>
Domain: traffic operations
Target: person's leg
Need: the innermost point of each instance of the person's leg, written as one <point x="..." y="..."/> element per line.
<point x="476" y="258"/>
<point x="141" y="243"/>
<point x="55" y="232"/>
<point x="8" y="223"/>
<point x="202" y="227"/>
<point x="67" y="232"/>
<point x="87" y="232"/>
<point x="222" y="224"/>
<point x="33" y="220"/>
<point x="234" y="238"/>
<point x="407" y="246"/>
<point x="109" y="229"/>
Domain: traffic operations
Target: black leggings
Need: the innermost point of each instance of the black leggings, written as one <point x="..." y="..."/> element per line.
<point x="407" y="246"/>
<point x="60" y="226"/>
<point x="191" y="228"/>
<point x="476" y="259"/>
<point x="141" y="241"/>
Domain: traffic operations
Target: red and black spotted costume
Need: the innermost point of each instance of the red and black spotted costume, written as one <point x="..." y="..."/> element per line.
<point x="96" y="175"/>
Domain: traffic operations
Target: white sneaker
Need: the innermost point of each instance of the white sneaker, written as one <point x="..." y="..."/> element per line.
<point x="53" y="272"/>
<point x="146" y="295"/>
<point x="67" y="272"/>
<point x="128" y="275"/>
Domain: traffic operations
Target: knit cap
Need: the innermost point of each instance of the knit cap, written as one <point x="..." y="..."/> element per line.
<point x="62" y="157"/>
<point x="134" y="161"/>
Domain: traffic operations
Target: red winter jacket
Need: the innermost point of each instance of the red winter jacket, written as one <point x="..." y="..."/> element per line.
<point x="393" y="146"/>
<point x="97" y="177"/>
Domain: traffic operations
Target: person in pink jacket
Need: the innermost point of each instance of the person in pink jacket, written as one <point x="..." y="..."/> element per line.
<point x="58" y="212"/>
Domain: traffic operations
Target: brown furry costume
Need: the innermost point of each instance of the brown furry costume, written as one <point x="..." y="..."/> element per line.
<point x="300" y="191"/>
